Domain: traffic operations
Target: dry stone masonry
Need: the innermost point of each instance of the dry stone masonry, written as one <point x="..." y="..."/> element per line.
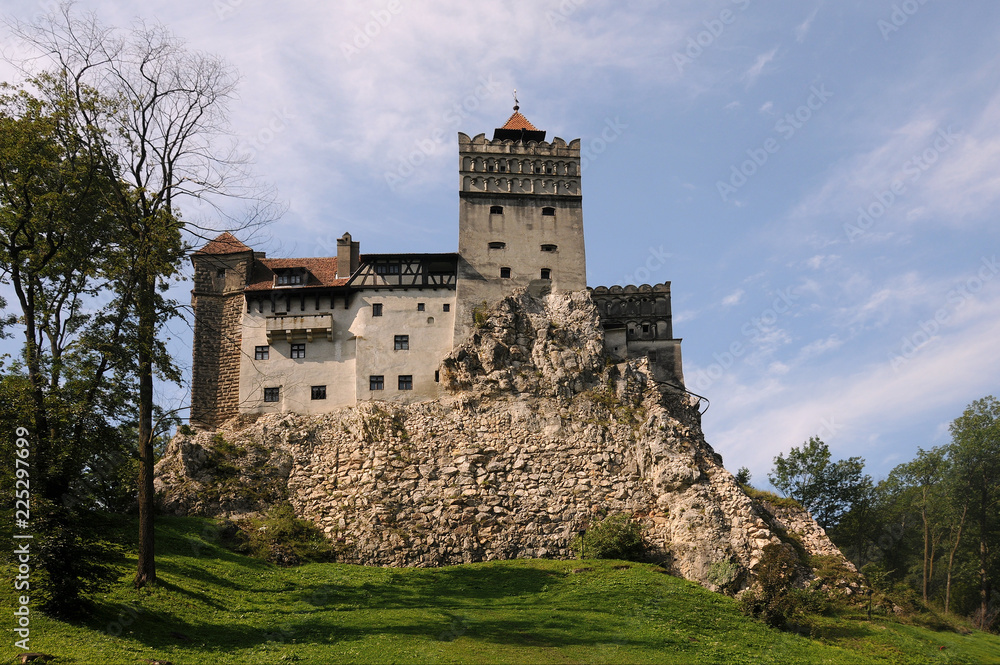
<point x="539" y="435"/>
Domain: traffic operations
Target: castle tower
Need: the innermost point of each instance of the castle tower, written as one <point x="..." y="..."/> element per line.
<point x="520" y="219"/>
<point x="221" y="269"/>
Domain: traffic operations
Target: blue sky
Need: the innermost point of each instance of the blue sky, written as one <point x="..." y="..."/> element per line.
<point x="819" y="180"/>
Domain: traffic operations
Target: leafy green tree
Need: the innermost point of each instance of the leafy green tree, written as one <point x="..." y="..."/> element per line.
<point x="825" y="488"/>
<point x="975" y="451"/>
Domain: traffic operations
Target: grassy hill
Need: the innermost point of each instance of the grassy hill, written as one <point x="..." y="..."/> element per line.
<point x="214" y="606"/>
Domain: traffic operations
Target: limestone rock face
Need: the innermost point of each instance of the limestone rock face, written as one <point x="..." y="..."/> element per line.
<point x="539" y="437"/>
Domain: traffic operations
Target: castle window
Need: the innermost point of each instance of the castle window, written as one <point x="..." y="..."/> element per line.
<point x="420" y="306"/>
<point x="489" y="167"/>
<point x="652" y="356"/>
<point x="496" y="210"/>
<point x="549" y="211"/>
<point x="406" y="382"/>
<point x="387" y="269"/>
<point x="318" y="392"/>
<point x="549" y="248"/>
<point x="503" y="167"/>
<point x="401" y="343"/>
<point x="496" y="244"/>
<point x="376" y="309"/>
<point x="261" y="352"/>
<point x="546" y="273"/>
<point x="548" y="169"/>
<point x="437" y="376"/>
<point x="447" y="307"/>
<point x="220" y="272"/>
<point x="272" y="394"/>
<point x="376" y="382"/>
<point x="645" y="328"/>
<point x="298" y="350"/>
<point x="288" y="278"/>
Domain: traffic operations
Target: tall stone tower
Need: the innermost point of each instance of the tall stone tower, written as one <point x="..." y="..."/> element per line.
<point x="221" y="270"/>
<point x="520" y="220"/>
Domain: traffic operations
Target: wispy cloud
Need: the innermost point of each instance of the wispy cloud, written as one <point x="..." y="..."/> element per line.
<point x="757" y="68"/>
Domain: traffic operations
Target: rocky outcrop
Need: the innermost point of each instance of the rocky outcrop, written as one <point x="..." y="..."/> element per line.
<point x="539" y="437"/>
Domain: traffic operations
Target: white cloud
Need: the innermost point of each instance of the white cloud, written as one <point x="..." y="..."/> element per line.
<point x="733" y="298"/>
<point x="757" y="68"/>
<point x="802" y="29"/>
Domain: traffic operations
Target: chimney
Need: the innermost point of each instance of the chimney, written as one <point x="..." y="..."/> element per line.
<point x="348" y="256"/>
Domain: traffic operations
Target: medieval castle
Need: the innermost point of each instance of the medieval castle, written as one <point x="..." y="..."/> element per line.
<point x="311" y="335"/>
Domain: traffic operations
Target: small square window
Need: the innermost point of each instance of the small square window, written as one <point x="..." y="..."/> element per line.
<point x="319" y="392"/>
<point x="496" y="210"/>
<point x="420" y="306"/>
<point x="505" y="273"/>
<point x="406" y="382"/>
<point x="272" y="394"/>
<point x="261" y="352"/>
<point x="376" y="382"/>
<point x="376" y="309"/>
<point x="298" y="350"/>
<point x="401" y="343"/>
<point x="645" y="327"/>
<point x="447" y="307"/>
<point x="546" y="273"/>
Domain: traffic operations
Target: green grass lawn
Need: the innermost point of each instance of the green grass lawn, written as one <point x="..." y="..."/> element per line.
<point x="213" y="606"/>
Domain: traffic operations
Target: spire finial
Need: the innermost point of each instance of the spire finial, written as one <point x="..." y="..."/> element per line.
<point x="516" y="107"/>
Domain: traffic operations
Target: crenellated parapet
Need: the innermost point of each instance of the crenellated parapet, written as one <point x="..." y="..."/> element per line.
<point x="505" y="166"/>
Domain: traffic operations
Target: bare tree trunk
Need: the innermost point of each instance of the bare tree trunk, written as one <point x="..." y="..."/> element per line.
<point x="951" y="559"/>
<point x="146" y="570"/>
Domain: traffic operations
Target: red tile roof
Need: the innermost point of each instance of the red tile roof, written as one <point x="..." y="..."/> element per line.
<point x="322" y="272"/>
<point x="518" y="121"/>
<point x="226" y="243"/>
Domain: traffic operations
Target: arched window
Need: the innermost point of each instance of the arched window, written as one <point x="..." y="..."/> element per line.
<point x="549" y="248"/>
<point x="549" y="211"/>
<point x="496" y="244"/>
<point x="496" y="210"/>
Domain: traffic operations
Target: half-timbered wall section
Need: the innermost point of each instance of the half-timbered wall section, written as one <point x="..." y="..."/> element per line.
<point x="406" y="271"/>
